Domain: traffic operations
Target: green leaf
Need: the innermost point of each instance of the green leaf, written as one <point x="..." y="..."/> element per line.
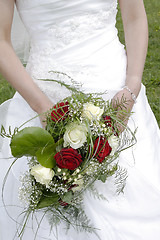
<point x="103" y="178"/>
<point x="48" y="199"/>
<point x="67" y="197"/>
<point x="59" y="142"/>
<point x="29" y="140"/>
<point x="45" y="156"/>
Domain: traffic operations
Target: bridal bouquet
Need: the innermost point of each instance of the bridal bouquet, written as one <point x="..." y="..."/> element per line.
<point x="79" y="145"/>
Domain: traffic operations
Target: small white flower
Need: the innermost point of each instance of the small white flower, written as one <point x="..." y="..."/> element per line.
<point x="77" y="170"/>
<point x="41" y="174"/>
<point x="91" y="111"/>
<point x="114" y="143"/>
<point x="75" y="135"/>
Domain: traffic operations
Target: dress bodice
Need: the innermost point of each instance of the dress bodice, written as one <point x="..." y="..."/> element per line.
<point x="70" y="36"/>
<point x="66" y="22"/>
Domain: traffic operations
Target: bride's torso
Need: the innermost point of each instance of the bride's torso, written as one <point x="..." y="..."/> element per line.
<point x="72" y="36"/>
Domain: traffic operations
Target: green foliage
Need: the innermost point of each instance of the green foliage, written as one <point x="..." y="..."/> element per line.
<point x="120" y="179"/>
<point x="48" y="199"/>
<point x="34" y="141"/>
<point x="6" y="91"/>
<point x="67" y="198"/>
<point x="103" y="176"/>
<point x="45" y="156"/>
<point x="9" y="134"/>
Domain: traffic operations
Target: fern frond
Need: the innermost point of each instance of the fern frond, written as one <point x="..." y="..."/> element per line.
<point x="120" y="179"/>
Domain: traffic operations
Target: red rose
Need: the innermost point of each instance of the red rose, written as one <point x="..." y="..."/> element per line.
<point x="107" y="121"/>
<point x="60" y="112"/>
<point x="68" y="158"/>
<point x="101" y="148"/>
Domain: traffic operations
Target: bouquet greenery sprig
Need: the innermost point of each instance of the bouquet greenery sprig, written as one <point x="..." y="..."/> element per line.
<point x="80" y="144"/>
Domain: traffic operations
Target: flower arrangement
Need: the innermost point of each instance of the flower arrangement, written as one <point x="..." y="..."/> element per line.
<point x="80" y="144"/>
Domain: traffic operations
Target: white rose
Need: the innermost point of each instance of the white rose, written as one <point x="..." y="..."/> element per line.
<point x="91" y="111"/>
<point x="114" y="143"/>
<point x="75" y="135"/>
<point x="42" y="175"/>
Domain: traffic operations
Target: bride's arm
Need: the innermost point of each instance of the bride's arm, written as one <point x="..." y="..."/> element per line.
<point x="136" y="40"/>
<point x="11" y="67"/>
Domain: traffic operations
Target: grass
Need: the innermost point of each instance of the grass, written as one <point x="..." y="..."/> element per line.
<point x="151" y="76"/>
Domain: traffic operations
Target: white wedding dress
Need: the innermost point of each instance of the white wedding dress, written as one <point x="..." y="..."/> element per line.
<point x="79" y="38"/>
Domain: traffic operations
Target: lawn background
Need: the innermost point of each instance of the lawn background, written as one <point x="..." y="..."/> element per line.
<point x="151" y="76"/>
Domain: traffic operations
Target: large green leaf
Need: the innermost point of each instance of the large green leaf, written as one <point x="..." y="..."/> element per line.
<point x="48" y="199"/>
<point x="45" y="156"/>
<point x="29" y="140"/>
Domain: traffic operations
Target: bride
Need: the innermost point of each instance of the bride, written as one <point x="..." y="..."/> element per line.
<point x="79" y="38"/>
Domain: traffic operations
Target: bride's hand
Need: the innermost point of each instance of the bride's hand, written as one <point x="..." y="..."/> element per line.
<point x="123" y="103"/>
<point x="42" y="112"/>
<point x="43" y="120"/>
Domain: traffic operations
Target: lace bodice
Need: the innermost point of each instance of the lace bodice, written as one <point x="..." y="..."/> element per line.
<point x="66" y="22"/>
<point x="66" y="36"/>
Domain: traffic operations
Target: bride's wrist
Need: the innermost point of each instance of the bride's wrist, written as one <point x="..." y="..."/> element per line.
<point x="132" y="95"/>
<point x="133" y="83"/>
<point x="42" y="106"/>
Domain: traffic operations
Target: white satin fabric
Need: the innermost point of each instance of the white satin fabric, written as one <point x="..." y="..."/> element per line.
<point x="79" y="38"/>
